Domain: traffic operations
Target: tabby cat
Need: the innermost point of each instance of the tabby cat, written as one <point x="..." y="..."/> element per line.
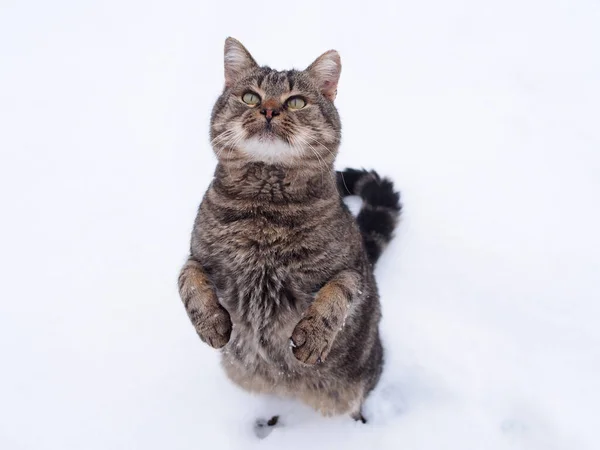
<point x="280" y="274"/>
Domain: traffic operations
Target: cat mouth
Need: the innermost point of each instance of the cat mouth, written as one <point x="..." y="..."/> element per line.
<point x="268" y="134"/>
<point x="266" y="140"/>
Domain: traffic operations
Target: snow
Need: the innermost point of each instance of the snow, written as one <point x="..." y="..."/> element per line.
<point x="486" y="116"/>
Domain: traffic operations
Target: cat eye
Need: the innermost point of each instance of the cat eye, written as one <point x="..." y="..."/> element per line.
<point x="296" y="103"/>
<point x="250" y="98"/>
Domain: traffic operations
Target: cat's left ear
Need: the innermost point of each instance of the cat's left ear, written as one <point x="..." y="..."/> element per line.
<point x="237" y="60"/>
<point x="326" y="72"/>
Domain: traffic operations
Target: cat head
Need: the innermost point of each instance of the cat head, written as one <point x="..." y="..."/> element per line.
<point x="278" y="117"/>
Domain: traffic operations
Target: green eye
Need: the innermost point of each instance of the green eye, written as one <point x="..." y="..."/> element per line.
<point x="250" y="98"/>
<point x="296" y="103"/>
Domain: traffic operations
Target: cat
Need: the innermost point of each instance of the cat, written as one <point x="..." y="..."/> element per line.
<point x="280" y="274"/>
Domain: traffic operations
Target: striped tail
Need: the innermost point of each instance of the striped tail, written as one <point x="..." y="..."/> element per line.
<point x="380" y="210"/>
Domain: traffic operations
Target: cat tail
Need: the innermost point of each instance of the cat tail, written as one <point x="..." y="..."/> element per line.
<point x="380" y="210"/>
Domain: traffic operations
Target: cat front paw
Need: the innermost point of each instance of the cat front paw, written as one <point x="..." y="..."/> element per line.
<point x="213" y="325"/>
<point x="312" y="339"/>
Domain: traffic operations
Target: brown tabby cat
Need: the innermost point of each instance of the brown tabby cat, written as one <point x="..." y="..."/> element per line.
<point x="280" y="275"/>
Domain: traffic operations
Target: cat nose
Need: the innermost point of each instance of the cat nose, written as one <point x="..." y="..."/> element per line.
<point x="269" y="113"/>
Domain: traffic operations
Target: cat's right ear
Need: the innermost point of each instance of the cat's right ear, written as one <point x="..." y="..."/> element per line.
<point x="237" y="60"/>
<point x="326" y="72"/>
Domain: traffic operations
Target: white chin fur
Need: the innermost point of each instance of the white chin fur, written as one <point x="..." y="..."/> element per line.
<point x="270" y="151"/>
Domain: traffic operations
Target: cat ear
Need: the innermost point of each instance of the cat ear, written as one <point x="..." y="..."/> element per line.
<point x="237" y="60"/>
<point x="326" y="72"/>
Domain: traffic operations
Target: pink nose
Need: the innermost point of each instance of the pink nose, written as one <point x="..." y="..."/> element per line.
<point x="269" y="113"/>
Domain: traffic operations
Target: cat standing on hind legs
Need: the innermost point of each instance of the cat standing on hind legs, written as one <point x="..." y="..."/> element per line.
<point x="280" y="274"/>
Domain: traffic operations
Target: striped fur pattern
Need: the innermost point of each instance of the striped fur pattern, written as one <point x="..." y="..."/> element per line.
<point x="280" y="275"/>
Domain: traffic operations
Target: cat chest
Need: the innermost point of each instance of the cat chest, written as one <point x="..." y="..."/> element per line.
<point x="264" y="271"/>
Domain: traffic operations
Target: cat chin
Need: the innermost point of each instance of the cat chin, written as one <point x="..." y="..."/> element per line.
<point x="267" y="150"/>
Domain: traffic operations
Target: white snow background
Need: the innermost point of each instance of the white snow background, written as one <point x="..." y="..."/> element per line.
<point x="486" y="114"/>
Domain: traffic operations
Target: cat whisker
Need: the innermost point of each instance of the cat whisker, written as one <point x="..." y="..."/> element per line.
<point x="316" y="141"/>
<point x="225" y="134"/>
<point x="322" y="162"/>
<point x="297" y="152"/>
<point x="222" y="140"/>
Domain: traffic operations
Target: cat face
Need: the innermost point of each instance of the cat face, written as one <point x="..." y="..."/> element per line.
<point x="285" y="117"/>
